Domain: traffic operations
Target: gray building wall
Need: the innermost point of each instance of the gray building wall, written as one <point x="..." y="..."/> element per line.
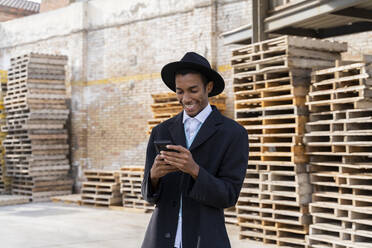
<point x="116" y="50"/>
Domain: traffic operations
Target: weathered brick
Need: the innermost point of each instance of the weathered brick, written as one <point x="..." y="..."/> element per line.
<point x="47" y="5"/>
<point x="114" y="67"/>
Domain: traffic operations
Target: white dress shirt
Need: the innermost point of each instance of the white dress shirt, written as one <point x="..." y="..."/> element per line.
<point x="191" y="126"/>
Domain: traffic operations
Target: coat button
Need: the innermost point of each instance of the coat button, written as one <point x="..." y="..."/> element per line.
<point x="167" y="235"/>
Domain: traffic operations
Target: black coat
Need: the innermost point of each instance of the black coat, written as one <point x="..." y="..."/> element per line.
<point x="221" y="150"/>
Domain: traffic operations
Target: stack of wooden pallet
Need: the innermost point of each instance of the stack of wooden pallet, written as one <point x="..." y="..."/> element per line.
<point x="166" y="106"/>
<point x="231" y="215"/>
<point x="130" y="186"/>
<point x="6" y="200"/>
<point x="4" y="182"/>
<point x="271" y="80"/>
<point x="339" y="143"/>
<point x="36" y="144"/>
<point x="102" y="189"/>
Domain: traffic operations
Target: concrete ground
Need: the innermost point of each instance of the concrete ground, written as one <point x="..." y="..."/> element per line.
<point x="42" y="225"/>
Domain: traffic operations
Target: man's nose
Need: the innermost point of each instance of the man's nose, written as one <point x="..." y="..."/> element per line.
<point x="186" y="97"/>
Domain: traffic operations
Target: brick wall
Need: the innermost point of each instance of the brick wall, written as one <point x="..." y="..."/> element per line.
<point x="114" y="63"/>
<point x="118" y="112"/>
<point x="47" y="5"/>
<point x="115" y="59"/>
<point x="7" y="14"/>
<point x="114" y="67"/>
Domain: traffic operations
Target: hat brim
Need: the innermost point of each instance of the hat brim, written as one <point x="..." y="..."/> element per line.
<point x="168" y="75"/>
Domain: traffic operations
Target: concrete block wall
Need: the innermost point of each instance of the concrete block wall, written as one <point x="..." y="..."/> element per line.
<point x="360" y="43"/>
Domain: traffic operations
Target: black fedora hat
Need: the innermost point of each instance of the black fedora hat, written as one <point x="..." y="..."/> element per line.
<point x="195" y="62"/>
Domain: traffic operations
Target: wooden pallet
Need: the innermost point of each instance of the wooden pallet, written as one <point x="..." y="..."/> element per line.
<point x="231" y="216"/>
<point x="338" y="144"/>
<point x="260" y="213"/>
<point x="102" y="188"/>
<point x="271" y="80"/>
<point x="102" y="199"/>
<point x="277" y="91"/>
<point x="6" y="200"/>
<point x="340" y="138"/>
<point x="243" y="55"/>
<point x="291" y="41"/>
<point x="130" y="186"/>
<point x="68" y="199"/>
<point x="272" y="233"/>
<point x="257" y="232"/>
<point x="352" y="125"/>
<point x="342" y="75"/>
<point x="352" y="93"/>
<point x="279" y="124"/>
<point x="278" y="63"/>
<point x="274" y="101"/>
<point x="102" y="176"/>
<point x="4" y="180"/>
<point x="335" y="224"/>
<point x="340" y="88"/>
<point x="36" y="148"/>
<point x="341" y="114"/>
<point x="2" y="187"/>
<point x="343" y="180"/>
<point x="166" y="105"/>
<point x="274" y="112"/>
<point x="39" y="58"/>
<point x="340" y="128"/>
<point x="136" y="203"/>
<point x="349" y="196"/>
<point x="283" y="161"/>
<point x="41" y="190"/>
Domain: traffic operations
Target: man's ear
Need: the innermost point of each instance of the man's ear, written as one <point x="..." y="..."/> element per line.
<point x="209" y="86"/>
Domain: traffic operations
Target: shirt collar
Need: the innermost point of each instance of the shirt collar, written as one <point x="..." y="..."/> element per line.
<point x="202" y="116"/>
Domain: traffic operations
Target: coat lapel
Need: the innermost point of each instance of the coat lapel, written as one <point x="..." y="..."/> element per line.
<point x="208" y="128"/>
<point x="177" y="131"/>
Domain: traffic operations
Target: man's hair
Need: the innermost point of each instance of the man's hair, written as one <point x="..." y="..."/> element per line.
<point x="187" y="71"/>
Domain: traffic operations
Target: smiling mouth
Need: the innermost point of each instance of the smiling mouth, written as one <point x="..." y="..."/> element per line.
<point x="189" y="107"/>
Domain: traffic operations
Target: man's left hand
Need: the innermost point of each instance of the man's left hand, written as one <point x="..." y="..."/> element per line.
<point x="182" y="159"/>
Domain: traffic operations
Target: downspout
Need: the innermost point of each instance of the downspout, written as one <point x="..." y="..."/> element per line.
<point x="214" y="36"/>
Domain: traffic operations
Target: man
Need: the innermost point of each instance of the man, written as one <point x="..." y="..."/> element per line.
<point x="204" y="174"/>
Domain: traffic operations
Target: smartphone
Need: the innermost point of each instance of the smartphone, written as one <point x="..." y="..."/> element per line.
<point x="161" y="145"/>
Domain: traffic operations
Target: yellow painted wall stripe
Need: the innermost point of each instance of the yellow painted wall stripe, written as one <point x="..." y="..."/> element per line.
<point x="223" y="68"/>
<point x="114" y="80"/>
<point x="139" y="77"/>
<point x="3" y="76"/>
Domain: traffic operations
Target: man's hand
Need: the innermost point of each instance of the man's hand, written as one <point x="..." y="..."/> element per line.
<point x="182" y="159"/>
<point x="160" y="169"/>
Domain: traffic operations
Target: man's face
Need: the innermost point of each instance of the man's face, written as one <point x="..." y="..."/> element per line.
<point x="191" y="93"/>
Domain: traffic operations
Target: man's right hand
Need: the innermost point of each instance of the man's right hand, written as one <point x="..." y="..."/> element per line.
<point x="159" y="169"/>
